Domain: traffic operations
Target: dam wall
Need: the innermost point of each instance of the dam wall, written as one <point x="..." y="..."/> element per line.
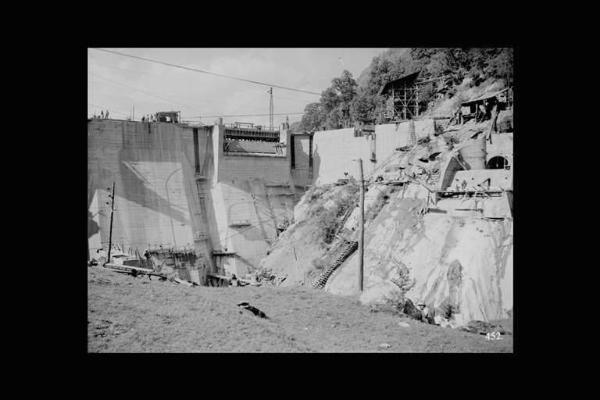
<point x="301" y="158"/>
<point x="156" y="199"/>
<point x="184" y="186"/>
<point x="253" y="194"/>
<point x="334" y="151"/>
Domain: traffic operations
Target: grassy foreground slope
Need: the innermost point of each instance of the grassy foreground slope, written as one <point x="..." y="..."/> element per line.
<point x="127" y="314"/>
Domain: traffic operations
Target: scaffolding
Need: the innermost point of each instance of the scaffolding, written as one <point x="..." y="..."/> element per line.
<point x="405" y="94"/>
<point x="403" y="100"/>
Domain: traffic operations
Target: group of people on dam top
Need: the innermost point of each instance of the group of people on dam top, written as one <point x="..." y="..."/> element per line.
<point x="102" y="115"/>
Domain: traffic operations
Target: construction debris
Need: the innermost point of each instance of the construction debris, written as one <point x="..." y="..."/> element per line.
<point x="253" y="310"/>
<point x="216" y="280"/>
<point x="182" y="282"/>
<point x="128" y="269"/>
<point x="409" y="309"/>
<point x="482" y="328"/>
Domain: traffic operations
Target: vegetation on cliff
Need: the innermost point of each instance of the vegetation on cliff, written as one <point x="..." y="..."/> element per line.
<point x="347" y="100"/>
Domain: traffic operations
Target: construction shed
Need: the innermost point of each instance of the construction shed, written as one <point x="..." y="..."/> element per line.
<point x="168" y="116"/>
<point x="482" y="104"/>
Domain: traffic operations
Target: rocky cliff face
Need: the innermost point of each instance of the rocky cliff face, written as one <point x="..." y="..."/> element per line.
<point x="462" y="262"/>
<point x="294" y="258"/>
<point x="456" y="259"/>
<point x="459" y="261"/>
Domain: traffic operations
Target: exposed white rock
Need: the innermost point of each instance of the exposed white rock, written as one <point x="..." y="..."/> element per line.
<point x="464" y="261"/>
<point x="379" y="293"/>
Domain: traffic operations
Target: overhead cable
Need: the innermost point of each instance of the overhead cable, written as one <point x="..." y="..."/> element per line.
<point x="209" y="72"/>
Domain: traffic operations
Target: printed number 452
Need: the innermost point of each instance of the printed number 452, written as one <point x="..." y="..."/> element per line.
<point x="493" y="336"/>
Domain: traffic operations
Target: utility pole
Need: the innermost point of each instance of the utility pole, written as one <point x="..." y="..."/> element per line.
<point x="416" y="101"/>
<point x="270" y="109"/>
<point x="361" y="238"/>
<point x="112" y="210"/>
<point x="133" y="114"/>
<point x="405" y="104"/>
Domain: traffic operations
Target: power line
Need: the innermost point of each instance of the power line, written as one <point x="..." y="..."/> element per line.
<point x="143" y="91"/>
<point x="137" y="72"/>
<point x="208" y="72"/>
<point x="153" y="72"/>
<point x="187" y="105"/>
<point x="297" y="99"/>
<point x="244" y="115"/>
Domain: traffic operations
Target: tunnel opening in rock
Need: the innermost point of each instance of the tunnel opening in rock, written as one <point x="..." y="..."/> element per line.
<point x="497" y="162"/>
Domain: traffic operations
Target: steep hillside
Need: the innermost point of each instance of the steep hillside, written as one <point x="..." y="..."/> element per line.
<point x="458" y="264"/>
<point x="348" y="101"/>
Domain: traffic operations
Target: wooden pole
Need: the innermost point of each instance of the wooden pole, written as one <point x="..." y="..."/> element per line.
<point x="416" y="101"/>
<point x="112" y="210"/>
<point x="361" y="238"/>
<point x="404" y="105"/>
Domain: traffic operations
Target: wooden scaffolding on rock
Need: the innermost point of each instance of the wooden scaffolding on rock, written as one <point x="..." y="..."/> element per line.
<point x="403" y="100"/>
<point x="404" y="94"/>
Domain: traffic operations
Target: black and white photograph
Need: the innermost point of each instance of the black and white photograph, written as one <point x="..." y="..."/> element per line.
<point x="300" y="200"/>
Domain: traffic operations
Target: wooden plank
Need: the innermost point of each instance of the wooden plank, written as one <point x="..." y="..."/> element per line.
<point x="181" y="281"/>
<point x="128" y="268"/>
<point x="217" y="276"/>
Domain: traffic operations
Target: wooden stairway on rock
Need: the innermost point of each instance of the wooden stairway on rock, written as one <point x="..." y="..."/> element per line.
<point x="344" y="252"/>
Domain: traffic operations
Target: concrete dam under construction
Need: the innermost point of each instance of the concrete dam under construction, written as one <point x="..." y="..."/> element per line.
<point x="212" y="203"/>
<point x="301" y="200"/>
<point x="224" y="192"/>
<point x="221" y="192"/>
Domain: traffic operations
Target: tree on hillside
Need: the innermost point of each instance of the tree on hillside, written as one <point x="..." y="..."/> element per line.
<point x="313" y="118"/>
<point x="345" y="86"/>
<point x="501" y="66"/>
<point x="337" y="99"/>
<point x="381" y="72"/>
<point x="344" y="102"/>
<point x="362" y="107"/>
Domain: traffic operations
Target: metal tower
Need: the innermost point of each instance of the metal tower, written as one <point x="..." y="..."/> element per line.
<point x="270" y="91"/>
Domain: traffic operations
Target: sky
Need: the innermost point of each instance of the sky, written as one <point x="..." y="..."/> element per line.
<point x="125" y="85"/>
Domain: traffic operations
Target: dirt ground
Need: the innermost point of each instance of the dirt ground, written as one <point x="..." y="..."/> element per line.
<point x="127" y="314"/>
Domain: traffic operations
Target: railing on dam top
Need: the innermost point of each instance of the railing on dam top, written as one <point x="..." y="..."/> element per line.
<point x="251" y="134"/>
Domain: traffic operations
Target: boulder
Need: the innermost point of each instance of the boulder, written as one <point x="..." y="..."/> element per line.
<point x="412" y="311"/>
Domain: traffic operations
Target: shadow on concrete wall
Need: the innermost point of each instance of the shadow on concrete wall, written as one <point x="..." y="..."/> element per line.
<point x="207" y="206"/>
<point x="245" y="261"/>
<point x="265" y="206"/>
<point x="316" y="163"/>
<point x="252" y="234"/>
<point x="92" y="226"/>
<point x="136" y="191"/>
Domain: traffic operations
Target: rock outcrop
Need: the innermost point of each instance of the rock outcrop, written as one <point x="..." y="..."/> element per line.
<point x="459" y="261"/>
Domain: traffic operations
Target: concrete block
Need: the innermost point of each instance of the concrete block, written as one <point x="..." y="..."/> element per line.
<point x="496" y="207"/>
